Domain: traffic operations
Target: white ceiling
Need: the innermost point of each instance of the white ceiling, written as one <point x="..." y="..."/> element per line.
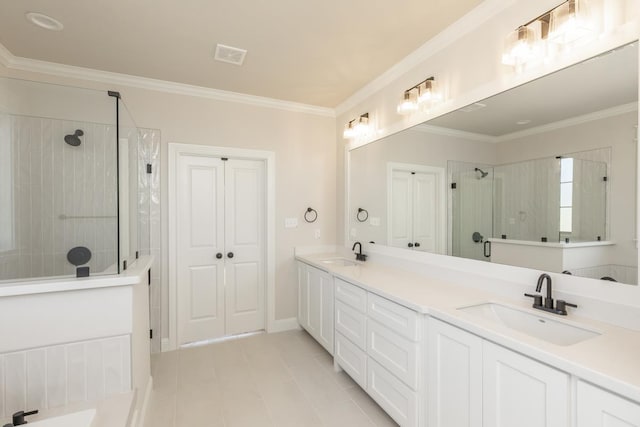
<point x="312" y="52"/>
<point x="603" y="82"/>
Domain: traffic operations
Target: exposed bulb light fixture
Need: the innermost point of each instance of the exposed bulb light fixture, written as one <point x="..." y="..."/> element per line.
<point x="421" y="96"/>
<point x="409" y="103"/>
<point x="553" y="31"/>
<point x="519" y="46"/>
<point x="357" y="128"/>
<point x="570" y="22"/>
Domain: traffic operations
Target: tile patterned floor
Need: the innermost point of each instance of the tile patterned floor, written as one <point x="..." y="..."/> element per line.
<point x="272" y="380"/>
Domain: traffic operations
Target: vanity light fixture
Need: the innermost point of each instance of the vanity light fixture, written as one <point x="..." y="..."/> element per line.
<point x="570" y="22"/>
<point x="542" y="37"/>
<point x="423" y="95"/>
<point x="357" y="127"/>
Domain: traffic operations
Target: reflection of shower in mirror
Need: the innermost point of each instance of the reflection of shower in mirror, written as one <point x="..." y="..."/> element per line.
<point x="482" y="173"/>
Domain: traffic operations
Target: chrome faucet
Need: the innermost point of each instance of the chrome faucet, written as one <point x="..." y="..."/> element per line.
<point x="560" y="306"/>
<point x="359" y="255"/>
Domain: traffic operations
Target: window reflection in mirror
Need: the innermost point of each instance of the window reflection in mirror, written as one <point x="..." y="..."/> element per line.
<point x="541" y="176"/>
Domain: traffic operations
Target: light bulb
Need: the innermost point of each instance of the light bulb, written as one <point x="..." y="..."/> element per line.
<point x="349" y="130"/>
<point x="408" y="104"/>
<point x="429" y="93"/>
<point x="571" y="22"/>
<point x="520" y="47"/>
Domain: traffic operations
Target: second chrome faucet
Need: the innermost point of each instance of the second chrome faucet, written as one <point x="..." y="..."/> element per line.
<point x="560" y="307"/>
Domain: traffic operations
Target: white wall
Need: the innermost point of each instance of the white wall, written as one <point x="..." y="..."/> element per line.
<point x="304" y="145"/>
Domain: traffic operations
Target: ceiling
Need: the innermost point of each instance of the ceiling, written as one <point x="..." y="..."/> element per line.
<point x="312" y="52"/>
<point x="605" y="81"/>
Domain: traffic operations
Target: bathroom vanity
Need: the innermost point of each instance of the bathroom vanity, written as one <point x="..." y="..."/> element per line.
<point x="436" y="352"/>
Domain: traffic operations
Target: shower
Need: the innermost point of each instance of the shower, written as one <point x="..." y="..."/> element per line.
<point x="74" y="140"/>
<point x="482" y="173"/>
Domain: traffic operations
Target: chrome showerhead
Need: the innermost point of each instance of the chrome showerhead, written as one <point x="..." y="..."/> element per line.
<point x="74" y="139"/>
<point x="482" y="173"/>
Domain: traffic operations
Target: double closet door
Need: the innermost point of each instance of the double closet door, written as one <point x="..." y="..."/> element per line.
<point x="221" y="247"/>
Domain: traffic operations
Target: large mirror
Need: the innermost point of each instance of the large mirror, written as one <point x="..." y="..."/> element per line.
<point x="540" y="176"/>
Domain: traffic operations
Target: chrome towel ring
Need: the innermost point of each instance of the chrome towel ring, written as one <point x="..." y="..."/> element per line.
<point x="362" y="215"/>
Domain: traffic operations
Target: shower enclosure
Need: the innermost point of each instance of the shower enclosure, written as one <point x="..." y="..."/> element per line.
<point x="70" y="195"/>
<point x="555" y="199"/>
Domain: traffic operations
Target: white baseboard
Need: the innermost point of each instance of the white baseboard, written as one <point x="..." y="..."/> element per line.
<point x="145" y="403"/>
<point x="164" y="345"/>
<point x="282" y="325"/>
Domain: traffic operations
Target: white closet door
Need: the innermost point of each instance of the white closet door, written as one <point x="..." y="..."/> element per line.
<point x="245" y="230"/>
<point x="425" y="202"/>
<point x="200" y="236"/>
<point x="401" y="209"/>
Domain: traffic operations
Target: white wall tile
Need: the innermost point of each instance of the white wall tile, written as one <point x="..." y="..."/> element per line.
<point x="59" y="375"/>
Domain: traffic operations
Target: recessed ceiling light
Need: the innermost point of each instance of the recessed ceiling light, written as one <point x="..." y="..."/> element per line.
<point x="44" y="21"/>
<point x="523" y="122"/>
<point x="231" y="55"/>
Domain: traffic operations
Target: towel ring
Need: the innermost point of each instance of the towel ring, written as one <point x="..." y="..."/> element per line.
<point x="359" y="217"/>
<point x="310" y="215"/>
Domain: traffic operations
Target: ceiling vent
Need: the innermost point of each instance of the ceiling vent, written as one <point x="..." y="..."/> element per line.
<point x="231" y="55"/>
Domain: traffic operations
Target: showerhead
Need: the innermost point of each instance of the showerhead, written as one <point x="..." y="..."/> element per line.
<point x="74" y="140"/>
<point x="482" y="173"/>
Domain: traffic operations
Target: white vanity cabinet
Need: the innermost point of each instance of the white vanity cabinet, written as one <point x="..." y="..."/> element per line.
<point x="454" y="376"/>
<point x="601" y="408"/>
<point x="519" y="391"/>
<point x="315" y="304"/>
<point x="378" y="345"/>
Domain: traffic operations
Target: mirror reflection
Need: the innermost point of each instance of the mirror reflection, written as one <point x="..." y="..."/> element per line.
<point x="541" y="176"/>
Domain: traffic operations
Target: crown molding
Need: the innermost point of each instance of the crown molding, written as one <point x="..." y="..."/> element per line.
<point x="573" y="121"/>
<point x="463" y="26"/>
<point x="438" y="130"/>
<point x="11" y="61"/>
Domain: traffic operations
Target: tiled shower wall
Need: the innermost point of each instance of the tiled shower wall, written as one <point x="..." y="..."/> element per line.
<point x="61" y="196"/>
<point x="150" y="227"/>
<point x="63" y="374"/>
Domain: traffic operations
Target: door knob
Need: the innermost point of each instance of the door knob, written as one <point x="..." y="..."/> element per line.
<point x="417" y="244"/>
<point x="219" y="255"/>
<point x="230" y="255"/>
<point x="410" y="245"/>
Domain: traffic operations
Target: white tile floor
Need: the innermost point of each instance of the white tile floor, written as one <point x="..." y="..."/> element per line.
<point x="278" y="380"/>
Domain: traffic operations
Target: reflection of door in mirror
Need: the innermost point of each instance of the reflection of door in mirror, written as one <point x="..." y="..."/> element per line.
<point x="470" y="216"/>
<point x="415" y="201"/>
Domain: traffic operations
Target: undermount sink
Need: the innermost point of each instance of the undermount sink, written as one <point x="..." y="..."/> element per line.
<point x="342" y="262"/>
<point x="541" y="327"/>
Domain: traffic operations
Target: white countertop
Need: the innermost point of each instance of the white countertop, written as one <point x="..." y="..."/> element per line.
<point x="133" y="275"/>
<point x="611" y="360"/>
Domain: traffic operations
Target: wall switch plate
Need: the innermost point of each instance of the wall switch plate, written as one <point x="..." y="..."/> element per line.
<point x="375" y="221"/>
<point x="290" y="222"/>
<point x="316" y="233"/>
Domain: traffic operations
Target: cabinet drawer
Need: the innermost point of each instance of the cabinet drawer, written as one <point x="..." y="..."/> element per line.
<point x="400" y="402"/>
<point x="352" y="359"/>
<point x="394" y="316"/>
<point x="395" y="353"/>
<point x="352" y="324"/>
<point x="351" y="295"/>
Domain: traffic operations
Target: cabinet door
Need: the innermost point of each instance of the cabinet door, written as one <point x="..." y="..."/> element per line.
<point x="518" y="391"/>
<point x="303" y="295"/>
<point x="320" y="307"/>
<point x="600" y="408"/>
<point x="454" y="376"/>
<point x="326" y="311"/>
